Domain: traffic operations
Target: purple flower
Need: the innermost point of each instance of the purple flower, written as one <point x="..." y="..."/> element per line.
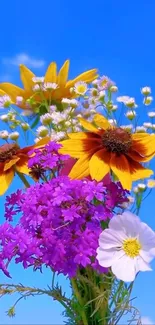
<point x="59" y="224"/>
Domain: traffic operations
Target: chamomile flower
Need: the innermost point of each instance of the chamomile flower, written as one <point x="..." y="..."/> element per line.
<point x="80" y="88"/>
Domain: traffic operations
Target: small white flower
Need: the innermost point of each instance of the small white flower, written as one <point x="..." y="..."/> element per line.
<point x="14" y="135"/>
<point x="36" y="88"/>
<point x="127" y="246"/>
<point x="38" y="79"/>
<point x="5" y="101"/>
<point x="4" y="134"/>
<point x="153" y="127"/>
<point x="146" y="91"/>
<point x="57" y="136"/>
<point x="52" y="108"/>
<point x="94" y="92"/>
<point x="65" y="102"/>
<point x="113" y="89"/>
<point x="151" y="114"/>
<point x="151" y="183"/>
<point x="147" y="125"/>
<point x="112" y="122"/>
<point x="95" y="83"/>
<point x="136" y="189"/>
<point x="128" y="127"/>
<point x="122" y="99"/>
<point x="114" y="108"/>
<point x="42" y="131"/>
<point x="4" y="118"/>
<point x="50" y="85"/>
<point x="140" y="129"/>
<point x="73" y="103"/>
<point x="130" y="103"/>
<point x="101" y="95"/>
<point x="130" y="115"/>
<point x="141" y="187"/>
<point x="25" y="126"/>
<point x="80" y="88"/>
<point x="147" y="100"/>
<point x="19" y="100"/>
<point x="58" y="117"/>
<point x="46" y="119"/>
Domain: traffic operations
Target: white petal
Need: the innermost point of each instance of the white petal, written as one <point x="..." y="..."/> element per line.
<point x="126" y="222"/>
<point x="107" y="257"/>
<point x="141" y="265"/>
<point x="146" y="255"/>
<point x="110" y="238"/>
<point x="124" y="269"/>
<point x="146" y="237"/>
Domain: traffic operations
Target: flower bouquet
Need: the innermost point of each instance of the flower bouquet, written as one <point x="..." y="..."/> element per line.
<point x="76" y="209"/>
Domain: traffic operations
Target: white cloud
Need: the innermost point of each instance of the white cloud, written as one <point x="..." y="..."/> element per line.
<point x="146" y="321"/>
<point x="24" y="58"/>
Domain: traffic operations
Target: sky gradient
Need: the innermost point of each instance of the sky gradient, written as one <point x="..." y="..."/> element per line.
<point x="118" y="39"/>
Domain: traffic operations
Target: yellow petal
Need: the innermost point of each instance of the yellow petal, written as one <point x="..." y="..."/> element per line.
<point x="12" y="90"/>
<point x="11" y="163"/>
<point x="26" y="76"/>
<point x="74" y="148"/>
<point x="81" y="135"/>
<point x="138" y="171"/>
<point x="101" y="121"/>
<point x="23" y="168"/>
<point x="51" y="73"/>
<point x="42" y="142"/>
<point x="81" y="168"/>
<point x="2" y="93"/>
<point x="120" y="167"/>
<point x="88" y="126"/>
<point x="63" y="74"/>
<point x="99" y="164"/>
<point x="5" y="180"/>
<point x="86" y="76"/>
<point x="148" y="142"/>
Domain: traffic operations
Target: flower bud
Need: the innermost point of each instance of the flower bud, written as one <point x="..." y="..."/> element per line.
<point x="130" y="115"/>
<point x="42" y="131"/>
<point x="14" y="135"/>
<point x="4" y="118"/>
<point x="141" y="187"/>
<point x="146" y="91"/>
<point x="147" y="100"/>
<point x="4" y="134"/>
<point x="101" y="95"/>
<point x="140" y="129"/>
<point x="25" y="126"/>
<point x="73" y="103"/>
<point x="113" y="89"/>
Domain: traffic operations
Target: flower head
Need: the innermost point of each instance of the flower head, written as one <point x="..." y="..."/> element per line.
<point x="5" y="101"/>
<point x="80" y="88"/>
<point x="109" y="148"/>
<point x="127" y="246"/>
<point x="57" y="83"/>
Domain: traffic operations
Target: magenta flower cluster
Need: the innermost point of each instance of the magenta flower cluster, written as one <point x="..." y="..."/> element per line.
<point x="60" y="222"/>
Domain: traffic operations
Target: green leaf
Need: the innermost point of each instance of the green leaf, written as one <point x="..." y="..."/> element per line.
<point x="36" y="121"/>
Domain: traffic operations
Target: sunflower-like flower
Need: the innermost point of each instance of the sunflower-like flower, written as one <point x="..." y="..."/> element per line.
<point x="14" y="159"/>
<point x="109" y="148"/>
<point x="54" y="86"/>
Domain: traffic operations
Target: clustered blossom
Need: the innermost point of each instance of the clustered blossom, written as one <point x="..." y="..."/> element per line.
<point x="46" y="159"/>
<point x="60" y="224"/>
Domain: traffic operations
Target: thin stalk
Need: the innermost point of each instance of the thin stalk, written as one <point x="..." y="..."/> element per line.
<point x="23" y="179"/>
<point x="79" y="298"/>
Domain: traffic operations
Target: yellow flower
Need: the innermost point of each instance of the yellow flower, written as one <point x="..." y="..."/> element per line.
<point x="109" y="148"/>
<point x="12" y="159"/>
<point x="56" y="84"/>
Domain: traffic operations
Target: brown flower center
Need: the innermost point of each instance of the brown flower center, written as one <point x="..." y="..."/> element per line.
<point x="117" y="140"/>
<point x="7" y="151"/>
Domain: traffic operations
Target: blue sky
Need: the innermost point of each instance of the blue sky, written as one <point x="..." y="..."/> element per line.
<point x="118" y="38"/>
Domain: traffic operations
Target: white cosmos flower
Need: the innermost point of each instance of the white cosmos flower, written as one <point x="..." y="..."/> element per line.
<point x="127" y="246"/>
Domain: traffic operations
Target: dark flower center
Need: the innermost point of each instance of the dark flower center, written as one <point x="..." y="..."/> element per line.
<point x="7" y="151"/>
<point x="117" y="140"/>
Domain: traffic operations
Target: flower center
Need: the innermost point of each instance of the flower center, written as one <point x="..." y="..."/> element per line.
<point x="81" y="89"/>
<point x="117" y="140"/>
<point x="131" y="247"/>
<point x="7" y="151"/>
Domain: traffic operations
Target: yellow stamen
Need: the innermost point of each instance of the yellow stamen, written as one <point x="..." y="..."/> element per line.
<point x="131" y="247"/>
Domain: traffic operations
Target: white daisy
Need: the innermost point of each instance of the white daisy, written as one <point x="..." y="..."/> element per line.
<point x="127" y="246"/>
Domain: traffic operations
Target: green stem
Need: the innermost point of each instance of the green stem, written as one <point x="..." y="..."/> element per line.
<point x="78" y="296"/>
<point x="23" y="179"/>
